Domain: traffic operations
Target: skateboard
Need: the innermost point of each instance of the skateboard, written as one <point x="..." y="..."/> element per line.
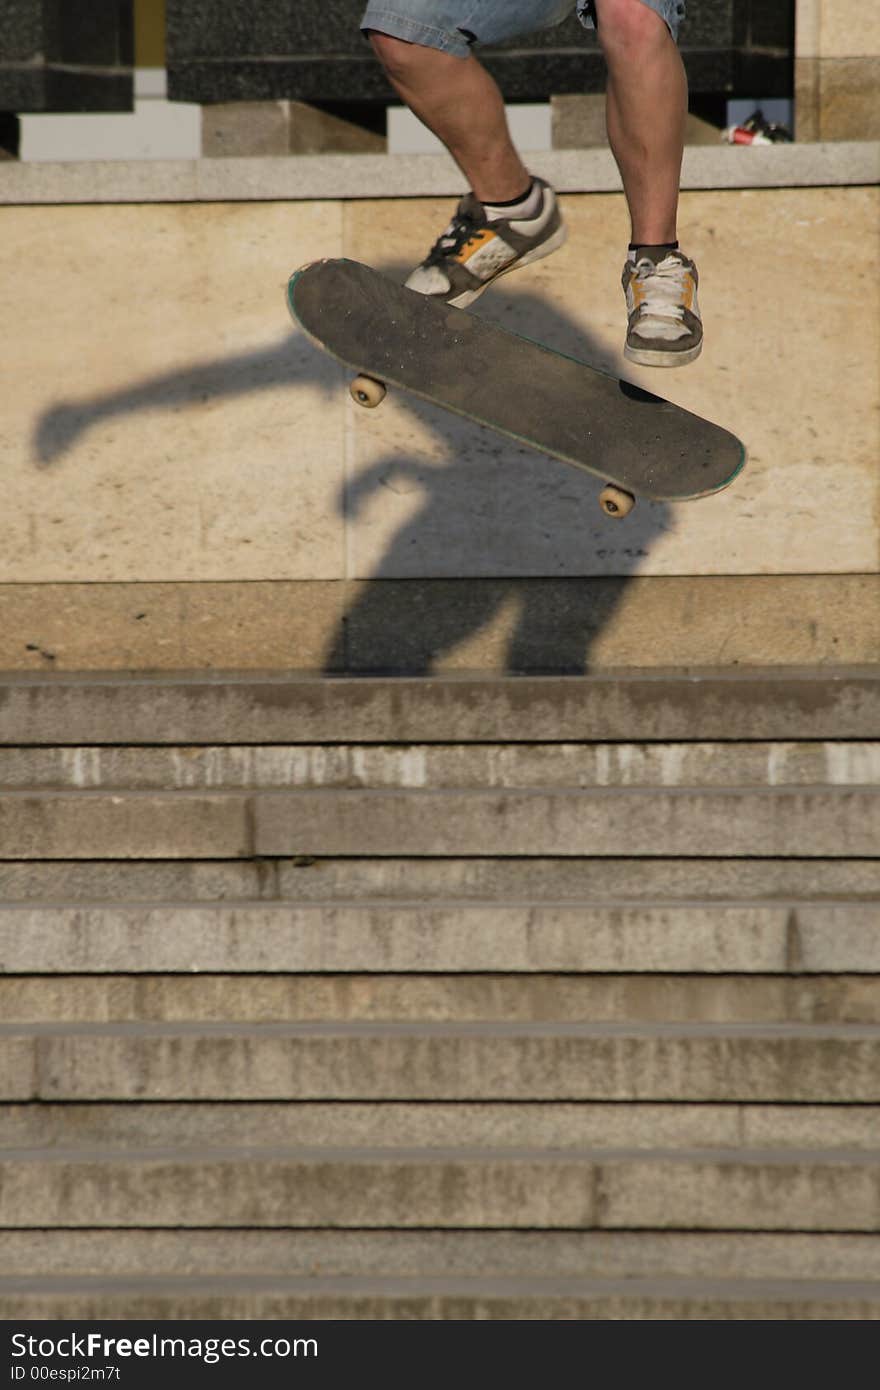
<point x="636" y="443"/>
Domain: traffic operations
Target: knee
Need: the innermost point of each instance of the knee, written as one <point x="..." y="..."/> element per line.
<point x="630" y="28"/>
<point x="397" y="56"/>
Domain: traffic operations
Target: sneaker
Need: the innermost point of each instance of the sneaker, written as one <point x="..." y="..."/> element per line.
<point x="664" y="328"/>
<point x="474" y="250"/>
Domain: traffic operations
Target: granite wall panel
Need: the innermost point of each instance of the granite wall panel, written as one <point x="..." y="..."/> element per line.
<point x="307" y="50"/>
<point x="66" y="55"/>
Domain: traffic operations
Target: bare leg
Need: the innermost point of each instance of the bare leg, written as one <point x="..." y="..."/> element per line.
<point x="646" y="108"/>
<point x="460" y="103"/>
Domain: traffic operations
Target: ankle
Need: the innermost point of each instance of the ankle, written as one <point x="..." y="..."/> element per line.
<point x="653" y="249"/>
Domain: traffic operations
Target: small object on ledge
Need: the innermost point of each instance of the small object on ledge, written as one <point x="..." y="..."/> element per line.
<point x="756" y="131"/>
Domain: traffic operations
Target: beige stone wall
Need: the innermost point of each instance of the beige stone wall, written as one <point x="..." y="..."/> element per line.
<point x="186" y="481"/>
<point x="837" y="70"/>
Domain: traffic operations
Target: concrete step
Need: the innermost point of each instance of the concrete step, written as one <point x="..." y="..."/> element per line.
<point x="375" y="971"/>
<point x="292" y="1254"/>
<point x="230" y="707"/>
<point x="273" y="1298"/>
<point x="750" y="1190"/>
<point x="547" y="1125"/>
<point x="714" y="938"/>
<point x="755" y="822"/>
<point x="612" y="1062"/>
<point x="423" y="766"/>
<point x="450" y="998"/>
<point x="449" y="880"/>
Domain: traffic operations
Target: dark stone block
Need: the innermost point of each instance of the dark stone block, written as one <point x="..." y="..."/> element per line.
<point x="758" y="75"/>
<point x="353" y="79"/>
<point x="521" y="78"/>
<point x="23" y="30"/>
<point x="771" y="26"/>
<point x="708" y="24"/>
<point x="73" y="91"/>
<point x="22" y="90"/>
<point x="66" y="55"/>
<point x="92" y="33"/>
<point x="757" y="24"/>
<point x="307" y="50"/>
<point x="10" y="136"/>
<point x="261" y="28"/>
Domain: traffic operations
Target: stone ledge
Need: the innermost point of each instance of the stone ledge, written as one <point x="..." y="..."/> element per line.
<point x="514" y="938"/>
<point x="310" y="177"/>
<point x="66" y="1258"/>
<point x="413" y="626"/>
<point x="441" y="997"/>
<point x="287" y="707"/>
<point x="392" y="880"/>
<point x="372" y="1299"/>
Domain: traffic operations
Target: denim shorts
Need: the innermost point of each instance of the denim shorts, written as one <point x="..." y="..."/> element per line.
<point x="454" y="25"/>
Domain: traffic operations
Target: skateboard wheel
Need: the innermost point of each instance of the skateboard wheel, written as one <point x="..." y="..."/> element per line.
<point x="367" y="391"/>
<point x="615" y="502"/>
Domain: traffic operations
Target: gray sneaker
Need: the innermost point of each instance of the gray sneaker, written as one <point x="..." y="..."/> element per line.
<point x="474" y="251"/>
<point x="664" y="328"/>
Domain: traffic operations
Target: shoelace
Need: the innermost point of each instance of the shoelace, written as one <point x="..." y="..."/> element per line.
<point x="459" y="232"/>
<point x="664" y="287"/>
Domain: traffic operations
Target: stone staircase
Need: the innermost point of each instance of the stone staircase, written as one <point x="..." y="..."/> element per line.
<point x="444" y="998"/>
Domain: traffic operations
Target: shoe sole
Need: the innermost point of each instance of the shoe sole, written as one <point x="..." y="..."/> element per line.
<point x="537" y="253"/>
<point x="662" y="357"/>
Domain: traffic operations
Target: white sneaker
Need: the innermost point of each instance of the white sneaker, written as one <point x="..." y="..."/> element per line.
<point x="474" y="250"/>
<point x="664" y="328"/>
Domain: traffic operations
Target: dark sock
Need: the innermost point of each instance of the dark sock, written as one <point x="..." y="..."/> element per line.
<point x="510" y="202"/>
<point x="653" y="246"/>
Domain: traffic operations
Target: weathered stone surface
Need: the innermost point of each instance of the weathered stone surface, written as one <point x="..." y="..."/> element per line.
<point x="411" y="1254"/>
<point x="315" y="130"/>
<point x="578" y="122"/>
<point x="555" y="1125"/>
<point x="240" y="456"/>
<point x="222" y="1299"/>
<point x="123" y="827"/>
<point x="416" y="625"/>
<point x="641" y="823"/>
<point x="847" y="98"/>
<point x="450" y="997"/>
<point x="429" y="766"/>
<point x="443" y="882"/>
<point x="96" y="708"/>
<point x="245" y="128"/>
<point x="782" y="1062"/>
<point x="257" y="129"/>
<point x="155" y="626"/>
<point x="444" y="1188"/>
<point x="836" y="29"/>
<point x="244" y="938"/>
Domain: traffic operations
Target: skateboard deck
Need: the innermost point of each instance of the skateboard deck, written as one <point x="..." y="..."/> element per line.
<point x="625" y="436"/>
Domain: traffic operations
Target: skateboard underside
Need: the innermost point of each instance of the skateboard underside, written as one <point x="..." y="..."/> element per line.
<point x="553" y="403"/>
